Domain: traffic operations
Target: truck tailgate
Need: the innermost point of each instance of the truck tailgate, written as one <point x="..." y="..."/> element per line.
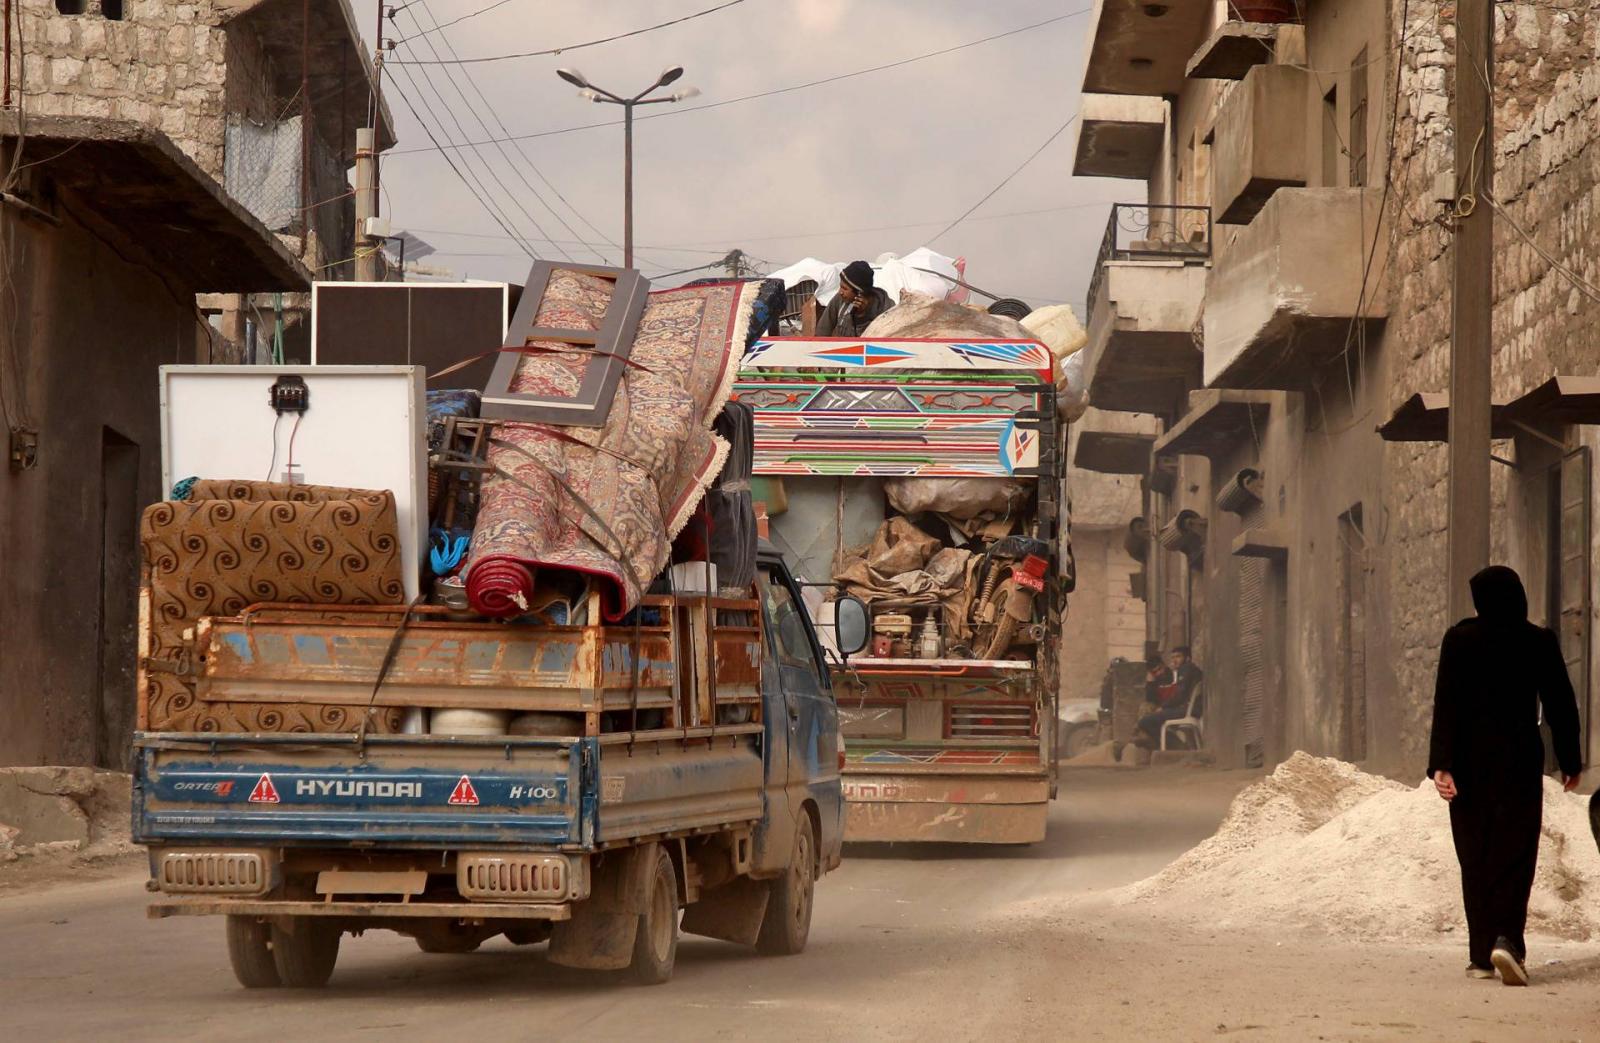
<point x="395" y="790"/>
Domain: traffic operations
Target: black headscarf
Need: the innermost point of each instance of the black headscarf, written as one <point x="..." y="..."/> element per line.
<point x="1498" y="596"/>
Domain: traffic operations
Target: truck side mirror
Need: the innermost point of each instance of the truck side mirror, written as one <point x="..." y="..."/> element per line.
<point x="852" y="625"/>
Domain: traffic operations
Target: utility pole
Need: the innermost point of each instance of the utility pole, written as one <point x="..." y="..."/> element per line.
<point x="366" y="203"/>
<point x="368" y="266"/>
<point x="1472" y="302"/>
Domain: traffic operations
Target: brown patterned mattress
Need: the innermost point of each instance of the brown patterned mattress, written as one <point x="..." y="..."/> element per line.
<point x="236" y="544"/>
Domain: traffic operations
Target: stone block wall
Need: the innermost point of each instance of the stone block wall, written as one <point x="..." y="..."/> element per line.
<point x="1547" y="180"/>
<point x="161" y="65"/>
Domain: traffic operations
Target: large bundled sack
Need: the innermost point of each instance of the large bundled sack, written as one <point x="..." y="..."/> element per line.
<point x="236" y="544"/>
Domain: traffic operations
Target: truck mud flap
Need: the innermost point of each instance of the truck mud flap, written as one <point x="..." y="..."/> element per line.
<point x="600" y="934"/>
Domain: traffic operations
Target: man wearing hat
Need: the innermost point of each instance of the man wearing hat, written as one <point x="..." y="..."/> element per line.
<point x="857" y="304"/>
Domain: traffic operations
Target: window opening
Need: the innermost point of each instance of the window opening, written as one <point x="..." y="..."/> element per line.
<point x="1358" y="120"/>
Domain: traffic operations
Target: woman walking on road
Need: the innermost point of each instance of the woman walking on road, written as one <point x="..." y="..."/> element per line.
<point x="1487" y="759"/>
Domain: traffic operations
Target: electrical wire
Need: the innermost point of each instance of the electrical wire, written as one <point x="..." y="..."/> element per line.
<point x="450" y="77"/>
<point x="522" y="151"/>
<point x="289" y="467"/>
<point x="493" y="213"/>
<point x="454" y="21"/>
<point x="578" y="46"/>
<point x="677" y="110"/>
<point x="277" y="421"/>
<point x="1006" y="180"/>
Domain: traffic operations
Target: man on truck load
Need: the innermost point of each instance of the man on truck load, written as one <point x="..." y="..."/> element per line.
<point x="857" y="304"/>
<point x="1167" y="694"/>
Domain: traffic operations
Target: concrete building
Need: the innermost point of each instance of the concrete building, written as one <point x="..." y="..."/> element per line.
<point x="131" y="181"/>
<point x="1277" y="294"/>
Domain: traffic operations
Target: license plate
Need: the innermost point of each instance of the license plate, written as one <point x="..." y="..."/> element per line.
<point x="1033" y="583"/>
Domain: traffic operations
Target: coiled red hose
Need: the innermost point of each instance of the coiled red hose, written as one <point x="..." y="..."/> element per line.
<point x="500" y="587"/>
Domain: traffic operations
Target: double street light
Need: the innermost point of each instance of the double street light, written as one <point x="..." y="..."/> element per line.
<point x="600" y="95"/>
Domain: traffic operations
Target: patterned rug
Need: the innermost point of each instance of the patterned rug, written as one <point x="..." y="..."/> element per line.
<point x="236" y="544"/>
<point x="606" y="502"/>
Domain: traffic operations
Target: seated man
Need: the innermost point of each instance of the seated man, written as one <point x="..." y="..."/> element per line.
<point x="1167" y="695"/>
<point x="857" y="304"/>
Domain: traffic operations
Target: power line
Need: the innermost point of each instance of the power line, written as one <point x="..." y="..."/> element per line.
<point x="487" y="198"/>
<point x="676" y="110"/>
<point x="577" y="46"/>
<point x="1007" y="180"/>
<point x="454" y="21"/>
<point x="523" y="152"/>
<point x="702" y="245"/>
<point x="492" y="212"/>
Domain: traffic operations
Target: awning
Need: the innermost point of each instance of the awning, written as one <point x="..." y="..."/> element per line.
<point x="1425" y="417"/>
<point x="1261" y="543"/>
<point x="1113" y="452"/>
<point x="133" y="185"/>
<point x="1217" y="421"/>
<point x="1559" y="400"/>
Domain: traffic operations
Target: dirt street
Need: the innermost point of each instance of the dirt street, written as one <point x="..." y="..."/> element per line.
<point x="907" y="944"/>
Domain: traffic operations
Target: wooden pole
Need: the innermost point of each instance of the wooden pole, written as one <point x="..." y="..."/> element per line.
<point x="1472" y="303"/>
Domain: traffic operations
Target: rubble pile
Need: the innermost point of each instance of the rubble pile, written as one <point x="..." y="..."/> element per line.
<point x="1321" y="844"/>
<point x="74" y="812"/>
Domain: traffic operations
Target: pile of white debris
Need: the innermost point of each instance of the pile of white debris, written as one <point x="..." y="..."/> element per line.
<point x="1320" y="844"/>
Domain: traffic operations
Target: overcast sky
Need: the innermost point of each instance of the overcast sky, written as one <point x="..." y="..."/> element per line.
<point x="803" y="173"/>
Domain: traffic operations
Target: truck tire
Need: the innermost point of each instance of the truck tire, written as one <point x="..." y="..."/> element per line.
<point x="306" y="954"/>
<point x="529" y="934"/>
<point x="250" y="952"/>
<point x="655" y="943"/>
<point x="787" y="924"/>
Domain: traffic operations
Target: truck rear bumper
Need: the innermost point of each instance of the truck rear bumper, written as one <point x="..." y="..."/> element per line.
<point x="360" y="910"/>
<point x="969" y="810"/>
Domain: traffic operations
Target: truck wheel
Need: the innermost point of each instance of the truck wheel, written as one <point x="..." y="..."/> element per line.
<point x="655" y="943"/>
<point x="787" y="924"/>
<point x="250" y="952"/>
<point x="306" y="954"/>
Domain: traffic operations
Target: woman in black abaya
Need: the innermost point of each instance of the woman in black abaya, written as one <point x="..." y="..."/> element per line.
<point x="1487" y="759"/>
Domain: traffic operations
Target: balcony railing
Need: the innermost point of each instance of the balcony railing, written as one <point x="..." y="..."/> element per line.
<point x="1142" y="232"/>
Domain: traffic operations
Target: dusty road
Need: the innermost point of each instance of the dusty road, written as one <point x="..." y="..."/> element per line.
<point x="907" y="944"/>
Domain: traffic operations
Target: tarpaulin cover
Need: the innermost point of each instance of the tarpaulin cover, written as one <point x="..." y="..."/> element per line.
<point x="235" y="544"/>
<point x="606" y="502"/>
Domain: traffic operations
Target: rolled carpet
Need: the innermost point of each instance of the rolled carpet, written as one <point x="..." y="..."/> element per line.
<point x="606" y="502"/>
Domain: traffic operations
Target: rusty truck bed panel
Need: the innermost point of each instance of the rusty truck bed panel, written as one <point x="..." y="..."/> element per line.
<point x="669" y="785"/>
<point x="332" y="662"/>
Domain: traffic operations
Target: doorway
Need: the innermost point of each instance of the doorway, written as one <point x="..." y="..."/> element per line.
<point x="1567" y="575"/>
<point x="119" y="581"/>
<point x="1352" y="647"/>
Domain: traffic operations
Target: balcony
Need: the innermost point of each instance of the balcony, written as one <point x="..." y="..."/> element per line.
<point x="1237" y="47"/>
<point x="1285" y="297"/>
<point x="1144" y="302"/>
<point x="1119" y="136"/>
<point x="1139" y="47"/>
<point x="1260" y="142"/>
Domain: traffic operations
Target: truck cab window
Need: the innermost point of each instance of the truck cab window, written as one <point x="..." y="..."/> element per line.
<point x="786" y="626"/>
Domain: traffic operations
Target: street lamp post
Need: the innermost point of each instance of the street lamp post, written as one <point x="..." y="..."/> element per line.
<point x="600" y="95"/>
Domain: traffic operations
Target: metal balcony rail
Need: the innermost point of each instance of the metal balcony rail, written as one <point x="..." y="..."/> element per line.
<point x="1143" y="232"/>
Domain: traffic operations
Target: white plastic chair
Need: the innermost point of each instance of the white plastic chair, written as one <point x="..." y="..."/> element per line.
<point x="1191" y="721"/>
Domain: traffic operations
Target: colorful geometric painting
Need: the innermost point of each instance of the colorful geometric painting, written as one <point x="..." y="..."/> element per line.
<point x="990" y="356"/>
<point x="841" y="424"/>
